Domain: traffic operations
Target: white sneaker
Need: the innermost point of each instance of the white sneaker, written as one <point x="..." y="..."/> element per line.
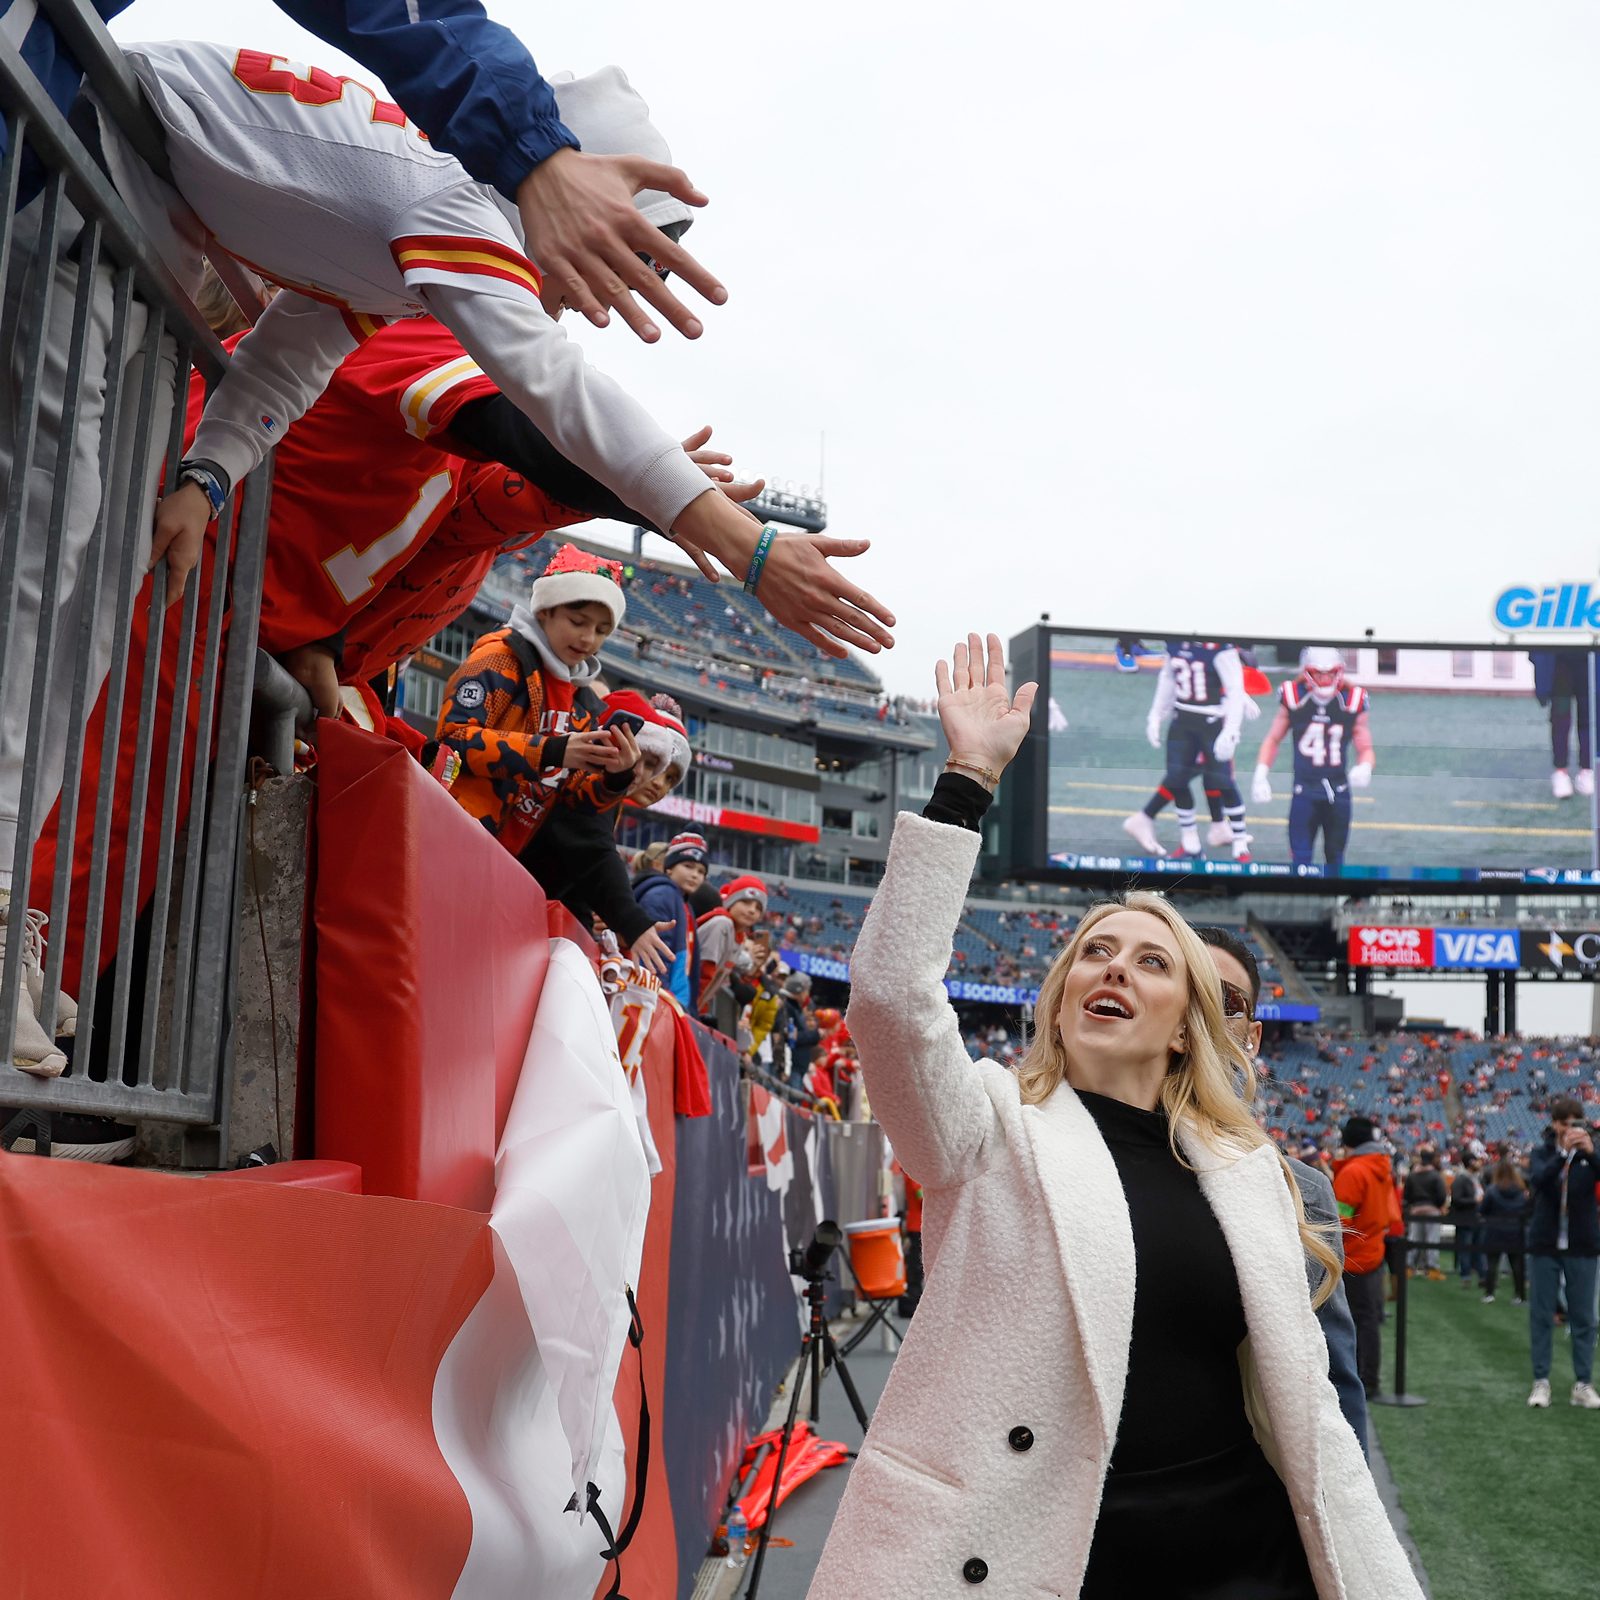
<point x="1488" y="1299"/>
<point x="1561" y="784"/>
<point x="66" y="1007"/>
<point x="1189" y="841"/>
<point x="1583" y="1395"/>
<point x="32" y="1049"/>
<point x="1241" y="847"/>
<point x="1144" y="832"/>
<point x="1583" y="780"/>
<point x="1540" y="1395"/>
<point x="1219" y="834"/>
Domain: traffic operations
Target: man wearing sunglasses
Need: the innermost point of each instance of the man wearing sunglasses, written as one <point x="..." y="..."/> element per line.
<point x="1241" y="989"/>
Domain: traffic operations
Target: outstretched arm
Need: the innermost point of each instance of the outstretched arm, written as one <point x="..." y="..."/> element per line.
<point x="472" y="87"/>
<point x="930" y="1098"/>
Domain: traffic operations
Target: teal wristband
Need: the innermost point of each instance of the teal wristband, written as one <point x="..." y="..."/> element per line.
<point x="759" y="559"/>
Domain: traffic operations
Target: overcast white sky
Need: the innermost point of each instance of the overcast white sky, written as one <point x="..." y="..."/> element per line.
<point x="1237" y="317"/>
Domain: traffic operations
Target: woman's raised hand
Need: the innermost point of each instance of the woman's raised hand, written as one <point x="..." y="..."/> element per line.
<point x="983" y="725"/>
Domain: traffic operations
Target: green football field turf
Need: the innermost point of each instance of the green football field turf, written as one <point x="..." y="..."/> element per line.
<point x="1504" y="1501"/>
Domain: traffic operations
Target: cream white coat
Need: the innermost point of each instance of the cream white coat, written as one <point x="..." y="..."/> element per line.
<point x="1028" y="1311"/>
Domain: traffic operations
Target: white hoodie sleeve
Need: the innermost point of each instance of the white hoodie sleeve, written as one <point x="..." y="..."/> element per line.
<point x="279" y="370"/>
<point x="587" y="416"/>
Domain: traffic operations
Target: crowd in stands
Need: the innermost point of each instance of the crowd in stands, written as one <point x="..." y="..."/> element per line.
<point x="712" y="637"/>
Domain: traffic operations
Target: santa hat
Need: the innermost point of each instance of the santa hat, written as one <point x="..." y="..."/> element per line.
<point x="687" y="847"/>
<point x="576" y="577"/>
<point x="663" y="731"/>
<point x="746" y="888"/>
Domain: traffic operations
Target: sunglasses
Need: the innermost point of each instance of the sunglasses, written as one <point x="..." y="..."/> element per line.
<point x="1235" y="1002"/>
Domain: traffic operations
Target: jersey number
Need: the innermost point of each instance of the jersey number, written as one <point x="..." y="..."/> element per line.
<point x="352" y="572"/>
<point x="1189" y="679"/>
<point x="261" y="74"/>
<point x="628" y="1036"/>
<point x="1323" y="744"/>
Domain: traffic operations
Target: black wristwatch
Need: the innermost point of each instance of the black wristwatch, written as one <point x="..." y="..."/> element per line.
<point x="210" y="478"/>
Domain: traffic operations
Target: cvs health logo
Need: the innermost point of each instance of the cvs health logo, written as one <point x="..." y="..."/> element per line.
<point x="1391" y="947"/>
<point x="1483" y="950"/>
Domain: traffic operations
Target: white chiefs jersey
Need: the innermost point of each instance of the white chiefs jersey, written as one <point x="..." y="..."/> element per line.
<point x="633" y="1009"/>
<point x="316" y="180"/>
<point x="323" y="187"/>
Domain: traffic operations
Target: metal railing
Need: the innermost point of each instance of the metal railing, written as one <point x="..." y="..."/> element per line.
<point x="157" y="946"/>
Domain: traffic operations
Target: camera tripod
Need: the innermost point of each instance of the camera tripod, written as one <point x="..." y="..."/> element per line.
<point x="818" y="1346"/>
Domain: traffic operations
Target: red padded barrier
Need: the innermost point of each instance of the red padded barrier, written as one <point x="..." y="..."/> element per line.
<point x="563" y="925"/>
<point x="343" y="1177"/>
<point x="431" y="953"/>
<point x="650" y="1566"/>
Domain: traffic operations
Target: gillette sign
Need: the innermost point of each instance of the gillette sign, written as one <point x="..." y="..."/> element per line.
<point x="1391" y="947"/>
<point x="1556" y="608"/>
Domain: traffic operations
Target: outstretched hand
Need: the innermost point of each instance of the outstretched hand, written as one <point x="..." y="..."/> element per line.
<point x="586" y="236"/>
<point x="982" y="723"/>
<point x="718" y="467"/>
<point x="799" y="585"/>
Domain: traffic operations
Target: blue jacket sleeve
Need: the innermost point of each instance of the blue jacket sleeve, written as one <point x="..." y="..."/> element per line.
<point x="1339" y="1330"/>
<point x="664" y="902"/>
<point x="467" y="82"/>
<point x="1333" y="1315"/>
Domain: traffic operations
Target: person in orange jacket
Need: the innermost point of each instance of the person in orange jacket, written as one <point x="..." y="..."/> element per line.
<point x="1363" y="1186"/>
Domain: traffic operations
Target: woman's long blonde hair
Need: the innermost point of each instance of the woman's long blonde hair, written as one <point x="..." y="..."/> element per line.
<point x="1209" y="1087"/>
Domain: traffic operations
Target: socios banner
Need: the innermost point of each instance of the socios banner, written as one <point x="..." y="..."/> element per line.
<point x="1000" y="994"/>
<point x="1391" y="947"/>
<point x="1547" y="950"/>
<point x="1550" y="608"/>
<point x="815" y="966"/>
<point x="1477" y="949"/>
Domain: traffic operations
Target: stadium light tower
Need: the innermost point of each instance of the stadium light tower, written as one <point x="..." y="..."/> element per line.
<point x="787" y="504"/>
<point x="791" y="506"/>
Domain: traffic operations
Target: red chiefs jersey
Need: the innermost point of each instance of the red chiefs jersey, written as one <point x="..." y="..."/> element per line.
<point x="495" y="509"/>
<point x="360" y="482"/>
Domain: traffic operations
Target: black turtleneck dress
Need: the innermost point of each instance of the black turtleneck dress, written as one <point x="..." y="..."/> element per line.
<point x="1192" y="1509"/>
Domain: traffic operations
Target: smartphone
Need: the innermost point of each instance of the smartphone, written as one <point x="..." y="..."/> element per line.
<point x="630" y="720"/>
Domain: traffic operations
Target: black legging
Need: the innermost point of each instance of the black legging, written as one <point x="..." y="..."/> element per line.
<point x="1570" y="691"/>
<point x="1519" y="1271"/>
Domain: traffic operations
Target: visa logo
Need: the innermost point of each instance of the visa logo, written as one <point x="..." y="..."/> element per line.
<point x="1496" y="948"/>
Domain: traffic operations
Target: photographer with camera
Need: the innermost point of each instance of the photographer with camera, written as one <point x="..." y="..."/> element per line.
<point x="1563" y="1242"/>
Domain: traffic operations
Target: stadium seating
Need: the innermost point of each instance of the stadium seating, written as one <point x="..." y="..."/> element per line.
<point x="723" y="631"/>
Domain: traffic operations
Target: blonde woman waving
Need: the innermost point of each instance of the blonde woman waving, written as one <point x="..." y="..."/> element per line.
<point x="1115" y="1385"/>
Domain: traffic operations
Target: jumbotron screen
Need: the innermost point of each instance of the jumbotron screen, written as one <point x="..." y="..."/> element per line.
<point x="1295" y="759"/>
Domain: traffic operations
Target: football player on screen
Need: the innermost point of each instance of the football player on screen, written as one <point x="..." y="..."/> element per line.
<point x="1201" y="688"/>
<point x="1327" y="716"/>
